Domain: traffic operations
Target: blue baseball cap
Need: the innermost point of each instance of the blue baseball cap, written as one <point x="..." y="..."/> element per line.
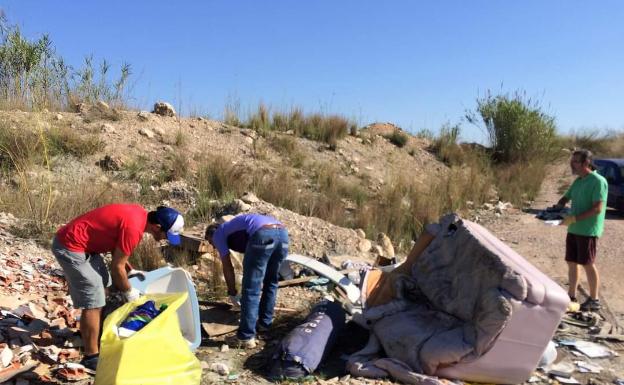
<point x="172" y="222"/>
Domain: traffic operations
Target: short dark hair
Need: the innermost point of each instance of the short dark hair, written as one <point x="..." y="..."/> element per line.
<point x="584" y="155"/>
<point x="210" y="230"/>
<point x="152" y="216"/>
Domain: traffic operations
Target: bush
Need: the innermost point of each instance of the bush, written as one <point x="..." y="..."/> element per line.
<point x="517" y="127"/>
<point x="398" y="138"/>
<point x="445" y="146"/>
<point x="33" y="76"/>
<point x="323" y="128"/>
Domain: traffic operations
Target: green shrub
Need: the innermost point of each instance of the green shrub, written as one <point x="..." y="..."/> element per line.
<point x="33" y="76"/>
<point x="398" y="138"/>
<point x="517" y="127"/>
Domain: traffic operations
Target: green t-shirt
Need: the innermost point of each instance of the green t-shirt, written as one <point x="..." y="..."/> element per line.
<point x="584" y="192"/>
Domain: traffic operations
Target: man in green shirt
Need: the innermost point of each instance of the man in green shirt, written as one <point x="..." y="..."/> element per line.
<point x="588" y="194"/>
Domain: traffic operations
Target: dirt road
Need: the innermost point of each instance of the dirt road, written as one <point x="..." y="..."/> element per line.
<point x="544" y="246"/>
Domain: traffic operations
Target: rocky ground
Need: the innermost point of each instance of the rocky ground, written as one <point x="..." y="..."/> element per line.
<point x="38" y="324"/>
<point x="36" y="331"/>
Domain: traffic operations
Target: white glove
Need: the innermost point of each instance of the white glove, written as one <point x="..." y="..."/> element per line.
<point x="132" y="295"/>
<point x="234" y="300"/>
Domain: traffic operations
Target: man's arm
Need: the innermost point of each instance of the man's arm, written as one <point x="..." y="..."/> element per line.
<point x="118" y="270"/>
<point x="562" y="202"/>
<point x="228" y="274"/>
<point x="594" y="210"/>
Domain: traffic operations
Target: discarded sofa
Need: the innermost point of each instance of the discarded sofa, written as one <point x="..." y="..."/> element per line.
<point x="303" y="349"/>
<point x="464" y="305"/>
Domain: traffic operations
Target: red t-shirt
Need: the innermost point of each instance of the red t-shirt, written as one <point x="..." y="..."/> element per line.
<point x="105" y="228"/>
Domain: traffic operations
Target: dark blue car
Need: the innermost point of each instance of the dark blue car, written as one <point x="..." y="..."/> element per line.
<point x="613" y="171"/>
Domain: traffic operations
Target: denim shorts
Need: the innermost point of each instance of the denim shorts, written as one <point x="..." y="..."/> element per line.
<point x="86" y="275"/>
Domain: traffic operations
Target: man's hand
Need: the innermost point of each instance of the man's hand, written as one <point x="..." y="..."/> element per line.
<point x="132" y="295"/>
<point x="567" y="221"/>
<point x="234" y="300"/>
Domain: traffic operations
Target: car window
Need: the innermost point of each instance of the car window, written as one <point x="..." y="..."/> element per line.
<point x="602" y="169"/>
<point x="609" y="174"/>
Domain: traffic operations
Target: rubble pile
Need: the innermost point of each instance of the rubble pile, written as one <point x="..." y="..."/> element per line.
<point x="39" y="337"/>
<point x="588" y="351"/>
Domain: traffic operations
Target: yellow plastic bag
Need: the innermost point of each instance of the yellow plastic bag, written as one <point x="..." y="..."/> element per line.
<point x="156" y="354"/>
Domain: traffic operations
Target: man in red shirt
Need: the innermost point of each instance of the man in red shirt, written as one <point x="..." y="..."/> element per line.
<point x="115" y="228"/>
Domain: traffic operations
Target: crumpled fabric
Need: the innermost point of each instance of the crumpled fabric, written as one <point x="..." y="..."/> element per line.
<point x="451" y="309"/>
<point x="366" y="363"/>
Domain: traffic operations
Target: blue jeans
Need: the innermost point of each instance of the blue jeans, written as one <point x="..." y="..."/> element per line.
<point x="266" y="249"/>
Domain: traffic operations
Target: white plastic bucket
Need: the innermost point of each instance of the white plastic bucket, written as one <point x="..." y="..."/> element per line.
<point x="174" y="280"/>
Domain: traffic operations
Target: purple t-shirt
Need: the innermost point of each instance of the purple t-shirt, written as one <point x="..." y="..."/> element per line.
<point x="234" y="234"/>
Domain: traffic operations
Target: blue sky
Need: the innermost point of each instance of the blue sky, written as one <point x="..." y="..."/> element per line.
<point x="418" y="64"/>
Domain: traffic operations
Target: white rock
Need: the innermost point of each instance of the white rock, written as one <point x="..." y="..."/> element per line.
<point x="143" y="115"/>
<point x="164" y="109"/>
<point x="58" y="117"/>
<point x="242" y="206"/>
<point x="365" y="245"/>
<point x="146" y="132"/>
<point x="360" y="233"/>
<point x="102" y="105"/>
<point x="250" y="197"/>
<point x="108" y="128"/>
<point x="249" y="140"/>
<point x="220" y="368"/>
<point x="158" y="131"/>
<point x="386" y="244"/>
<point x="225" y="348"/>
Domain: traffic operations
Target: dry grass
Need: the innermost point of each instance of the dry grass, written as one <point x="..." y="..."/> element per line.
<point x="288" y="146"/>
<point x="398" y="138"/>
<point x="316" y="126"/>
<point x="38" y="194"/>
<point x="147" y="256"/>
<point x="403" y="207"/>
<point x="45" y="202"/>
<point x="519" y="182"/>
<point x="601" y="143"/>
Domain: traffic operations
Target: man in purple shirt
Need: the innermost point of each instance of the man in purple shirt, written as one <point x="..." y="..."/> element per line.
<point x="264" y="240"/>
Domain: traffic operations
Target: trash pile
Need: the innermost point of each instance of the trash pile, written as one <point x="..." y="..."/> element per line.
<point x="588" y="347"/>
<point x="39" y="338"/>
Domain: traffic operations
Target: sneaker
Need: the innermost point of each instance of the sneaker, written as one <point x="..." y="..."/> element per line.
<point x="591" y="305"/>
<point x="234" y="342"/>
<point x="90" y="362"/>
<point x="562" y="327"/>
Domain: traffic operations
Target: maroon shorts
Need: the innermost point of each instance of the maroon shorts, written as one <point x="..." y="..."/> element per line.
<point x="580" y="249"/>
